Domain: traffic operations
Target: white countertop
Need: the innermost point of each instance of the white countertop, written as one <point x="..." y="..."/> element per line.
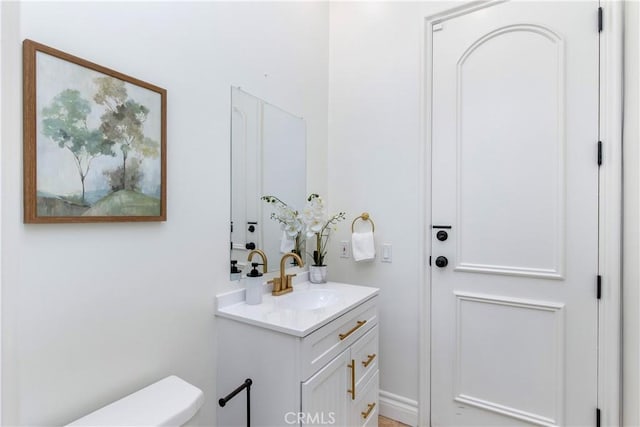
<point x="300" y="323"/>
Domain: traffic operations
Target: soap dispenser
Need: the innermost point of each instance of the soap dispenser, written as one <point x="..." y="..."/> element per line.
<point x="253" y="285"/>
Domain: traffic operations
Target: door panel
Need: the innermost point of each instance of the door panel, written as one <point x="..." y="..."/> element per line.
<point x="498" y="367"/>
<point x="504" y="141"/>
<point x="514" y="173"/>
<point x="324" y="395"/>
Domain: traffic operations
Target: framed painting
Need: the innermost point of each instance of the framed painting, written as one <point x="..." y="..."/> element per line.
<point x="94" y="142"/>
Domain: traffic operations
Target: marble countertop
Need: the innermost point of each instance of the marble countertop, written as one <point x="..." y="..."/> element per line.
<point x="274" y="314"/>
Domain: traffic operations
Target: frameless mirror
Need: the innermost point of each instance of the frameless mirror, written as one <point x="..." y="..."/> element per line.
<point x="268" y="157"/>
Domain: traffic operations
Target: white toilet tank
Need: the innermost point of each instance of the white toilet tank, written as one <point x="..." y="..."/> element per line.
<point x="168" y="402"/>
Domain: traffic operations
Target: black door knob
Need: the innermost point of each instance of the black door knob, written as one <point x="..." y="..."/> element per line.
<point x="252" y="228"/>
<point x="442" y="261"/>
<point x="442" y="235"/>
<point x="251" y="246"/>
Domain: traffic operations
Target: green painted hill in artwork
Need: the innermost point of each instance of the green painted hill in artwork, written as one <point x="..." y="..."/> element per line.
<point x="50" y="205"/>
<point x="125" y="203"/>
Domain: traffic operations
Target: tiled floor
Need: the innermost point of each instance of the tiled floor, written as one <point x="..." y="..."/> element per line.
<point x="387" y="422"/>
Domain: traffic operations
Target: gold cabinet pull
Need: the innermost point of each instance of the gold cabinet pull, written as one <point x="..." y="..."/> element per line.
<point x="352" y="366"/>
<point x="366" y="413"/>
<point x="370" y="358"/>
<point x="359" y="323"/>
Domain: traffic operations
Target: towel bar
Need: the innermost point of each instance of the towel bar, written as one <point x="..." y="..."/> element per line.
<point x="246" y="384"/>
<point x="365" y="217"/>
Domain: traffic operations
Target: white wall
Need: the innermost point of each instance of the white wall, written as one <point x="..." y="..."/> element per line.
<point x="375" y="149"/>
<point x="631" y="214"/>
<point x="94" y="311"/>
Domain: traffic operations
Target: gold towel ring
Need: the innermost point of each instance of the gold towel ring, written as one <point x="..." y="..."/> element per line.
<point x="365" y="217"/>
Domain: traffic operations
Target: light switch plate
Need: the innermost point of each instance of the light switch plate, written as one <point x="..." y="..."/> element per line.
<point x="387" y="253"/>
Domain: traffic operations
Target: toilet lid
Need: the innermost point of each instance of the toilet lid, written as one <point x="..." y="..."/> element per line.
<point x="168" y="402"/>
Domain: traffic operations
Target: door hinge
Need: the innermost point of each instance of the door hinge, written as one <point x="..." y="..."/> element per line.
<point x="600" y="19"/>
<point x="599" y="153"/>
<point x="429" y="259"/>
<point x="599" y="287"/>
<point x="597" y="417"/>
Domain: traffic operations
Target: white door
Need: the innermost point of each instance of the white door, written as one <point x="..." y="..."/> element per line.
<point x="515" y="177"/>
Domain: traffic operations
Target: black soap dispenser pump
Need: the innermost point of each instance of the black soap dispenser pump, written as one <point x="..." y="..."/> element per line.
<point x="253" y="285"/>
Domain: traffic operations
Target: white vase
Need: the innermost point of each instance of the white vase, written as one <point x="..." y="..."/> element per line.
<point x="318" y="273"/>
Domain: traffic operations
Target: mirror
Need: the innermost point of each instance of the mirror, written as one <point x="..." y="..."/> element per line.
<point x="268" y="157"/>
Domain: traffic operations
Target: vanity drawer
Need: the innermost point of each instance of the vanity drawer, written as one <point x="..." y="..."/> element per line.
<point x="364" y="353"/>
<point x="322" y="345"/>
<point x="365" y="409"/>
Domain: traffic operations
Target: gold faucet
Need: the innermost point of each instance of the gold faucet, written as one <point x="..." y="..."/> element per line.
<point x="282" y="285"/>
<point x="262" y="255"/>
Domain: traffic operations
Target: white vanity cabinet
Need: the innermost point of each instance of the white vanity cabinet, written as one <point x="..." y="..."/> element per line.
<point x="355" y="371"/>
<point x="317" y="377"/>
<point x="323" y="395"/>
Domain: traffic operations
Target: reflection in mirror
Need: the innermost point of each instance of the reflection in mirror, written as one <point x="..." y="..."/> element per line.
<point x="268" y="157"/>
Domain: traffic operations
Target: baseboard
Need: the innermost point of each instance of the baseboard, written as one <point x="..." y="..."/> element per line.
<point x="398" y="408"/>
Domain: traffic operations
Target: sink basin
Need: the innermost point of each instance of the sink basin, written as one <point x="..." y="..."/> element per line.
<point x="310" y="299"/>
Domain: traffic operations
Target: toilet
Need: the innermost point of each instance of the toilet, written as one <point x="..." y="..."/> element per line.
<point x="168" y="402"/>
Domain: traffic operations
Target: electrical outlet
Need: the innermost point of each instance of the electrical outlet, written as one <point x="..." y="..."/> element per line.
<point x="345" y="251"/>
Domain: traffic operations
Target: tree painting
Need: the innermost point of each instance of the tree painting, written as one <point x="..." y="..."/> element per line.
<point x="123" y="122"/>
<point x="98" y="142"/>
<point x="65" y="122"/>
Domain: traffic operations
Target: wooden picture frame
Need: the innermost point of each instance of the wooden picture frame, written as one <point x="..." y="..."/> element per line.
<point x="94" y="142"/>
